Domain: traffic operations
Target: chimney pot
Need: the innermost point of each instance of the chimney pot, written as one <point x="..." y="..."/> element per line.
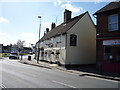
<point x="53" y="26"/>
<point x="47" y="30"/>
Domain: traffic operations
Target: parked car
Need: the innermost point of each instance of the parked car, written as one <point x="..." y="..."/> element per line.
<point x="30" y="53"/>
<point x="14" y="56"/>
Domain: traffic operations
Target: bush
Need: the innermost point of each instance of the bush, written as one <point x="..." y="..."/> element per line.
<point x="5" y="54"/>
<point x="23" y="54"/>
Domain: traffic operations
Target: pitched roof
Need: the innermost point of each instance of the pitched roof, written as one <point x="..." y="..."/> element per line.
<point x="110" y="6"/>
<point x="62" y="28"/>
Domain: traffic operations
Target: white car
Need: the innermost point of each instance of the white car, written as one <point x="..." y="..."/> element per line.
<point x="14" y="56"/>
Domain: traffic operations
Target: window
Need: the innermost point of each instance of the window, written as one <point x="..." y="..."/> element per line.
<point x="108" y="55"/>
<point x="112" y="53"/>
<point x="113" y="22"/>
<point x="73" y="40"/>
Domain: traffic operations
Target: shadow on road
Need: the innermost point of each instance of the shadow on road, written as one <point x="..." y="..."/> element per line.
<point x="93" y="69"/>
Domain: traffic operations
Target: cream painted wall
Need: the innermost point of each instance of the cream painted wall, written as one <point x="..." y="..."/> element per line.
<point x="59" y="43"/>
<point x="85" y="51"/>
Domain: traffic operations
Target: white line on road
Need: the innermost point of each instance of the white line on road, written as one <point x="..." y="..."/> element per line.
<point x="64" y="84"/>
<point x="3" y="86"/>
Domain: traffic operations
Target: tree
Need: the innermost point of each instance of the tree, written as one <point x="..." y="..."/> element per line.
<point x="20" y="44"/>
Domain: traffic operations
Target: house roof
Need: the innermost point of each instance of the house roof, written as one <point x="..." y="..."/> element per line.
<point x="62" y="28"/>
<point x="110" y="6"/>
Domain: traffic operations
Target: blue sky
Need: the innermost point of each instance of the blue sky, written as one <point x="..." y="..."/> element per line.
<point x="19" y="20"/>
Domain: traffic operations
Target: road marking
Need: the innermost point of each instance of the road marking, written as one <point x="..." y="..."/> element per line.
<point x="64" y="84"/>
<point x="3" y="86"/>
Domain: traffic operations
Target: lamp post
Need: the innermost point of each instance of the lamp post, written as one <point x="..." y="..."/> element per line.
<point x="38" y="40"/>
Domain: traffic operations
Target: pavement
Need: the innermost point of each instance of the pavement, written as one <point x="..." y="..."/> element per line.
<point x="88" y="70"/>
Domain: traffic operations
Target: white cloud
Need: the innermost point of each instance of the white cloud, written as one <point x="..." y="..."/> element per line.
<point x="98" y="1"/>
<point x="47" y="25"/>
<point x="31" y="35"/>
<point x="72" y="8"/>
<point x="4" y="37"/>
<point x="68" y="6"/>
<point x="3" y="20"/>
<point x="57" y="2"/>
<point x="29" y="38"/>
<point x="2" y="34"/>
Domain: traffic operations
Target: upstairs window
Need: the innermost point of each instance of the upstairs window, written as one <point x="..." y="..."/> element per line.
<point x="73" y="40"/>
<point x="113" y="22"/>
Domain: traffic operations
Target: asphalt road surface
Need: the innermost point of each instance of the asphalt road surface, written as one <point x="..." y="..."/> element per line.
<point x="16" y="75"/>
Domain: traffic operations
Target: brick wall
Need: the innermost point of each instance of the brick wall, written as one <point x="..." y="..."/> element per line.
<point x="102" y="24"/>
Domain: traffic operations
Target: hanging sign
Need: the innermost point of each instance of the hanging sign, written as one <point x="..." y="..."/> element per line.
<point x="111" y="42"/>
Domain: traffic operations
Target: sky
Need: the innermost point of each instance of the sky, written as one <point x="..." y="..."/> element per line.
<point x="19" y="19"/>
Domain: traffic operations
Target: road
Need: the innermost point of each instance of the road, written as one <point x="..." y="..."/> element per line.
<point x="17" y="75"/>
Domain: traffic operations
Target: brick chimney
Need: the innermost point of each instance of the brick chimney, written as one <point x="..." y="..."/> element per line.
<point x="67" y="16"/>
<point x="53" y="26"/>
<point x="47" y="30"/>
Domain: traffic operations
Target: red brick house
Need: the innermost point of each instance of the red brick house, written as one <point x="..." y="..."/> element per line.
<point x="108" y="37"/>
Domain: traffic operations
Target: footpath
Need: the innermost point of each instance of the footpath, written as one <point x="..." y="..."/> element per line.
<point x="81" y="70"/>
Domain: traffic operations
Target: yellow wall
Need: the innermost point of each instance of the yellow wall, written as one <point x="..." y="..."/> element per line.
<point x="56" y="46"/>
<point x="85" y="51"/>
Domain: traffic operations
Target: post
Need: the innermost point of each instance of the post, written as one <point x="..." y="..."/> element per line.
<point x="38" y="40"/>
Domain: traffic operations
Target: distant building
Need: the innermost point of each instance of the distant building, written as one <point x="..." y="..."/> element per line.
<point x="71" y="43"/>
<point x="1" y="48"/>
<point x="14" y="48"/>
<point x="7" y="49"/>
<point x="26" y="50"/>
<point x="108" y="37"/>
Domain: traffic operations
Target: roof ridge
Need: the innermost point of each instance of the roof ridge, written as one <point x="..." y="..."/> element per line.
<point x="63" y="27"/>
<point x="110" y="6"/>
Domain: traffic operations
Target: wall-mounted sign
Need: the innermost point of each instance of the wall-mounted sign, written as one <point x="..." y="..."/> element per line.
<point x="111" y="42"/>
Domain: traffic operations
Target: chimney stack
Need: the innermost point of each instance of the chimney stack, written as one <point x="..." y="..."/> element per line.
<point x="67" y="16"/>
<point x="53" y="26"/>
<point x="47" y="30"/>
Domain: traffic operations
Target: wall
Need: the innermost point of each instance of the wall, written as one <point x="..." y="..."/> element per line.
<point x="102" y="24"/>
<point x="85" y="51"/>
<point x="1" y="48"/>
<point x="57" y="45"/>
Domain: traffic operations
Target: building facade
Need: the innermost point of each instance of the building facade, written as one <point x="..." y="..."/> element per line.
<point x="108" y="37"/>
<point x="71" y="43"/>
<point x="7" y="49"/>
<point x="1" y="48"/>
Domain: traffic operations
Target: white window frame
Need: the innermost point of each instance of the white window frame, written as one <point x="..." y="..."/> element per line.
<point x="111" y="23"/>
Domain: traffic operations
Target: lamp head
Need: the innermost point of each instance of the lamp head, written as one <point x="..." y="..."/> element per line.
<point x="39" y="16"/>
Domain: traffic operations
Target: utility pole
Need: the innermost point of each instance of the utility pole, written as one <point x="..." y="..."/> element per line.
<point x="38" y="40"/>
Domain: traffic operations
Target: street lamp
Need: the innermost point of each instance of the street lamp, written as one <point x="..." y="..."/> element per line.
<point x="38" y="40"/>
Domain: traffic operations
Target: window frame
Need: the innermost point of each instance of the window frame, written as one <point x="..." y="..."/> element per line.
<point x="111" y="23"/>
<point x="71" y="41"/>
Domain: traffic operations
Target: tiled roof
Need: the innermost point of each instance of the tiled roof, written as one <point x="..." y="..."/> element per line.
<point x="110" y="6"/>
<point x="62" y="28"/>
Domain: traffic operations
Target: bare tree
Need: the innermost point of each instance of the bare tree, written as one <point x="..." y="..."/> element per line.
<point x="20" y="45"/>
